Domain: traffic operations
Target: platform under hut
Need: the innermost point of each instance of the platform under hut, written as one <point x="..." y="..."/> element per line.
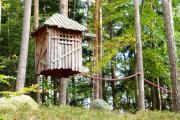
<point x="58" y="47"/>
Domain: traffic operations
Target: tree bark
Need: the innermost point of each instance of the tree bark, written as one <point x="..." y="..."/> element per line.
<point x="36" y="24"/>
<point x="139" y="58"/>
<point x="96" y="53"/>
<point x="100" y="47"/>
<point x="178" y="86"/>
<point x="38" y="94"/>
<point x="63" y="7"/>
<point x="113" y="86"/>
<point x="36" y="14"/>
<point x="55" y="82"/>
<point x="43" y="94"/>
<point x="20" y="83"/>
<point x="62" y="91"/>
<point x="168" y="23"/>
<point x="159" y="102"/>
<point x="154" y="101"/>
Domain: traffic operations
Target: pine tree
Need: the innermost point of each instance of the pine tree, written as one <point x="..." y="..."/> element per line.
<point x="100" y="48"/>
<point x="139" y="58"/>
<point x="20" y="83"/>
<point x="36" y="13"/>
<point x="168" y="23"/>
<point x="96" y="49"/>
<point x="36" y="25"/>
<point x="63" y="6"/>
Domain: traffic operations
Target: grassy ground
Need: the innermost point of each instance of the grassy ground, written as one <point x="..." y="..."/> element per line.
<point x="73" y="113"/>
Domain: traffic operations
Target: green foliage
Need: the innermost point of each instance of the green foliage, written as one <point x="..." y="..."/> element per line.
<point x="154" y="65"/>
<point x="7" y="72"/>
<point x="79" y="90"/>
<point x="22" y="91"/>
<point x="111" y="48"/>
<point x="4" y="79"/>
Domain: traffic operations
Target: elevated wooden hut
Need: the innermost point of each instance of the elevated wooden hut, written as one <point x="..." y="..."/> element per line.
<point x="58" y="47"/>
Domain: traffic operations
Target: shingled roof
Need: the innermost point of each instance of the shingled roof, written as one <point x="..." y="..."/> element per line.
<point x="62" y="21"/>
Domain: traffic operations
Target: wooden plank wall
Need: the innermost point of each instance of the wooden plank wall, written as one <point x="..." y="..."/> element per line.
<point x="65" y="50"/>
<point x="41" y="51"/>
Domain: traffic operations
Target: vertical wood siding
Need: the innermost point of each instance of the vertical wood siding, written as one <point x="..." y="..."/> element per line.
<point x="59" y="49"/>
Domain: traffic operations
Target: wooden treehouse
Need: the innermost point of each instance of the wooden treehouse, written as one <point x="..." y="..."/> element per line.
<point x="58" y="47"/>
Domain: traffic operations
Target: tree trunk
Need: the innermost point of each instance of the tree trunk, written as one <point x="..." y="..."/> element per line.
<point x="63" y="7"/>
<point x="20" y="83"/>
<point x="113" y="86"/>
<point x="178" y="86"/>
<point x="139" y="58"/>
<point x="73" y="88"/>
<point x="159" y="102"/>
<point x="156" y="96"/>
<point x="74" y="7"/>
<point x="55" y="82"/>
<point x="96" y="57"/>
<point x="36" y="24"/>
<point x="43" y="91"/>
<point x="104" y="92"/>
<point x="62" y="91"/>
<point x="153" y="93"/>
<point x="168" y="23"/>
<point x="38" y="94"/>
<point x="100" y="47"/>
<point x="36" y="14"/>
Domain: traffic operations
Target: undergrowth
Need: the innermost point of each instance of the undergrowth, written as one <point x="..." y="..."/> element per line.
<point x="74" y="113"/>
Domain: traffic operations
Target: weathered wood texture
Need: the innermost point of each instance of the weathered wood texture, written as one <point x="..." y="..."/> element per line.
<point x="58" y="52"/>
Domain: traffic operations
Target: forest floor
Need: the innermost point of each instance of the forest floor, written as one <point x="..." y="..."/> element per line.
<point x="75" y="113"/>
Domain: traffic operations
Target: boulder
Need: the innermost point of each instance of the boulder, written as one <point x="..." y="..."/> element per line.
<point x="100" y="105"/>
<point x="18" y="103"/>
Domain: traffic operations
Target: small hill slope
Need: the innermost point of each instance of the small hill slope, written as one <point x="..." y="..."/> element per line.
<point x="74" y="113"/>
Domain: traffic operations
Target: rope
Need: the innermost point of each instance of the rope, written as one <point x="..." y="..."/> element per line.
<point x="125" y="78"/>
<point x="157" y="86"/>
<point x="110" y="79"/>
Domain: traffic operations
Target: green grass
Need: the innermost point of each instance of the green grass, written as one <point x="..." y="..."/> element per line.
<point x="74" y="113"/>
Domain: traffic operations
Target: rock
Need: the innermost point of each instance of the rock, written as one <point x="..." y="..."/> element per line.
<point x="18" y="103"/>
<point x="6" y="105"/>
<point x="100" y="105"/>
